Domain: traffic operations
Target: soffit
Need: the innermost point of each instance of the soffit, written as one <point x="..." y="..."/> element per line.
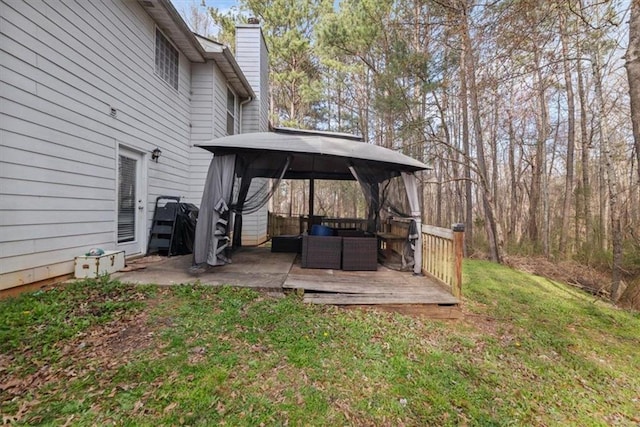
<point x="171" y="23"/>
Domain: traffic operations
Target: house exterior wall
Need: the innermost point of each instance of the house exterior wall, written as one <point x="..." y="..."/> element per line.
<point x="64" y="65"/>
<point x="208" y="121"/>
<point x="202" y="126"/>
<point x="253" y="57"/>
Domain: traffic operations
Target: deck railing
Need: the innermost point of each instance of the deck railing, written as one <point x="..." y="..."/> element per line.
<point x="442" y="254"/>
<point x="282" y="225"/>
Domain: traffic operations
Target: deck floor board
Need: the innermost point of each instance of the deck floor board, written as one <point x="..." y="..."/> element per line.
<point x="384" y="286"/>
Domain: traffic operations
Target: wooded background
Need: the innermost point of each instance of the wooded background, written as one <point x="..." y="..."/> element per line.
<point x="521" y="107"/>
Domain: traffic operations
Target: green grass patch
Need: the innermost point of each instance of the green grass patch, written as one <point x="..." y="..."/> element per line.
<point x="529" y="352"/>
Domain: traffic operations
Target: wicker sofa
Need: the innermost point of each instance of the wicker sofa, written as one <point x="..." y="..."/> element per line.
<point x="322" y="252"/>
<point x="337" y="252"/>
<point x="359" y="253"/>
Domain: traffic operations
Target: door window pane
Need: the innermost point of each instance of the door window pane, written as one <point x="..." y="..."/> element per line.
<point x="126" y="199"/>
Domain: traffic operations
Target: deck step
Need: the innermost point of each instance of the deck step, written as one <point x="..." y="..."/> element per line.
<point x="345" y="287"/>
<point x="378" y="298"/>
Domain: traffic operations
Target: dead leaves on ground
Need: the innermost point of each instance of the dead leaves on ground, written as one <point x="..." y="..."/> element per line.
<point x="98" y="352"/>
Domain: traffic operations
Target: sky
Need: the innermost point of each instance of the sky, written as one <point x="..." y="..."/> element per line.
<point x="223" y="5"/>
<point x="183" y="7"/>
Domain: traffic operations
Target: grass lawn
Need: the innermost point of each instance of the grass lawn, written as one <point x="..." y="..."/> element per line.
<point x="529" y="352"/>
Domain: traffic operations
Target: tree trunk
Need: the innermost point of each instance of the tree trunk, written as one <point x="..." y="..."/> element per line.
<point x="513" y="205"/>
<point x="491" y="225"/>
<point x="584" y="161"/>
<point x="610" y="179"/>
<point x="633" y="76"/>
<point x="539" y="162"/>
<point x="464" y="101"/>
<point x="493" y="143"/>
<point x="571" y="136"/>
<point x="439" y="172"/>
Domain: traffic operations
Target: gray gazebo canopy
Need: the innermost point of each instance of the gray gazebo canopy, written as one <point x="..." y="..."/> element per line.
<point x="314" y="155"/>
<point x="292" y="154"/>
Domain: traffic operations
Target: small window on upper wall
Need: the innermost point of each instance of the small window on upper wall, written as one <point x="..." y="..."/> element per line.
<point x="231" y="112"/>
<point x="166" y="60"/>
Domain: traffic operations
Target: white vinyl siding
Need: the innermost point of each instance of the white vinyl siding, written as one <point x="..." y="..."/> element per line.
<point x="208" y="121"/>
<point x="202" y="122"/>
<point x="263" y="99"/>
<point x="252" y="57"/>
<point x="254" y="226"/>
<point x="64" y="65"/>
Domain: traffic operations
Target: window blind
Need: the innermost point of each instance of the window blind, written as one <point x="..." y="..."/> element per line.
<point x="126" y="199"/>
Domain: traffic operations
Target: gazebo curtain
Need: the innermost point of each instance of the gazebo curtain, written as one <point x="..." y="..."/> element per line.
<point x="415" y="236"/>
<point x="382" y="196"/>
<point x="253" y="193"/>
<point x="370" y="189"/>
<point x="226" y="191"/>
<point x="211" y="230"/>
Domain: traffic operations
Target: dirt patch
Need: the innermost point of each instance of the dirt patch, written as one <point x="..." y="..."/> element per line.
<point x="100" y="349"/>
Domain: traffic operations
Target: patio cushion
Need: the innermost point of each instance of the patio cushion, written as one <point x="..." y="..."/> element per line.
<point x="321" y="252"/>
<point x="359" y="253"/>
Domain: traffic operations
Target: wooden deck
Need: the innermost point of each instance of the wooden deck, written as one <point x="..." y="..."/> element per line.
<point x="274" y="272"/>
<point x="383" y="287"/>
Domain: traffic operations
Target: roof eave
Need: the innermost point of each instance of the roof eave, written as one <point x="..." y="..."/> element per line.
<point x="171" y="23"/>
<point x="221" y="55"/>
<point x="232" y="72"/>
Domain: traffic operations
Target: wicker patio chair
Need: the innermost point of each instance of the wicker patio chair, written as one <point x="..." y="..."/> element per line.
<point x="359" y="253"/>
<point x="321" y="252"/>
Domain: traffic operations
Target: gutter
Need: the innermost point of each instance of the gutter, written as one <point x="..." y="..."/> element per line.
<point x="228" y="57"/>
<point x="236" y="68"/>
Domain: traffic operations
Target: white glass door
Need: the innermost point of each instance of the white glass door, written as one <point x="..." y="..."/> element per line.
<point x="131" y="199"/>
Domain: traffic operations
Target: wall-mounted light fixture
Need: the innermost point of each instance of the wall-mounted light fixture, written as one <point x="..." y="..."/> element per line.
<point x="155" y="154"/>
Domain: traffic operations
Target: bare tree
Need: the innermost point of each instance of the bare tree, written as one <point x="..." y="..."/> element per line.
<point x="491" y="225"/>
<point x="571" y="136"/>
<point x="633" y="76"/>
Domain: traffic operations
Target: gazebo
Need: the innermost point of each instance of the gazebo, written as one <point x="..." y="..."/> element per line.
<point x="293" y="154"/>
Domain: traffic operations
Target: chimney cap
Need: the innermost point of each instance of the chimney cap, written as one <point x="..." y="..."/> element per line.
<point x="253" y="20"/>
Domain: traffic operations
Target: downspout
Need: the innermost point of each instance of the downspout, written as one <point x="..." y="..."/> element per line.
<point x="241" y="108"/>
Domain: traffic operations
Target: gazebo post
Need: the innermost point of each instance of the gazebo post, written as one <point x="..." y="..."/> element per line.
<point x="312" y="191"/>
